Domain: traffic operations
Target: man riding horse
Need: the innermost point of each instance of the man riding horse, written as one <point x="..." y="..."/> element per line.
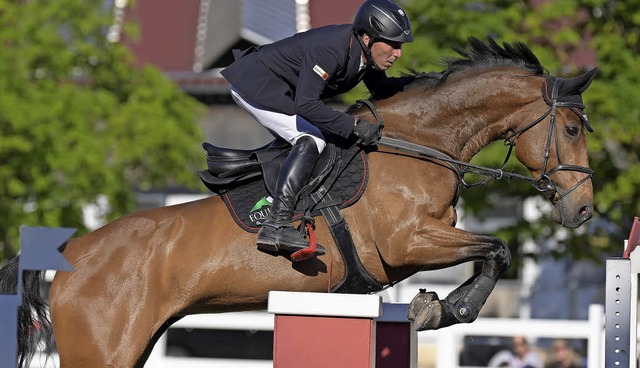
<point x="282" y="86"/>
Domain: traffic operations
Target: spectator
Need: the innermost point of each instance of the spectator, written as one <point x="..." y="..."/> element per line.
<point x="520" y="356"/>
<point x="563" y="356"/>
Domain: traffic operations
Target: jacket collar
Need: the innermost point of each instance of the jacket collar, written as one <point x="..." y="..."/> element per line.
<point x="355" y="57"/>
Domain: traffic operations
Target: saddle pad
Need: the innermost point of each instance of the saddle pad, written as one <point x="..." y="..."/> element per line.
<point x="250" y="203"/>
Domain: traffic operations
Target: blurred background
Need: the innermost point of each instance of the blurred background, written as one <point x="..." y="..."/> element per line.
<point x="104" y="105"/>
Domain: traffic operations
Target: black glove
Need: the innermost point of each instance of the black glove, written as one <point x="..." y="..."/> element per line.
<point x="367" y="132"/>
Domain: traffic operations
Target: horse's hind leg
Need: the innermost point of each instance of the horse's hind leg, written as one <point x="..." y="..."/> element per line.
<point x="91" y="342"/>
<point x="97" y="331"/>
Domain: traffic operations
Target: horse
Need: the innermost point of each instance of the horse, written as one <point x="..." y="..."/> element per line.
<point x="137" y="275"/>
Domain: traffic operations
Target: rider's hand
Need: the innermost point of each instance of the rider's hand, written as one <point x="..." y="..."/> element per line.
<point x="367" y="132"/>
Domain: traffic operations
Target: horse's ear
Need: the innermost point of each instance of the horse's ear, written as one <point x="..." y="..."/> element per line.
<point x="577" y="85"/>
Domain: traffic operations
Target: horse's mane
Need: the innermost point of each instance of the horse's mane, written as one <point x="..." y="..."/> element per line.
<point x="483" y="55"/>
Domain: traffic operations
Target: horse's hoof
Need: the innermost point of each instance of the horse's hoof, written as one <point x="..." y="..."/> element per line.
<point x="419" y="302"/>
<point x="433" y="316"/>
<point x="428" y="318"/>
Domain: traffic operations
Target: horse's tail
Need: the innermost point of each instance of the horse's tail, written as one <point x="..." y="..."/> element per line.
<point x="34" y="326"/>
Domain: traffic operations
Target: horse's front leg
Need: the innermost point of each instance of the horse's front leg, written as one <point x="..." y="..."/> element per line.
<point x="463" y="304"/>
<point x="447" y="246"/>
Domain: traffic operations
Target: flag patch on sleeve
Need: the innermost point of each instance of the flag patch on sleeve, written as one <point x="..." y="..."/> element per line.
<point x="324" y="75"/>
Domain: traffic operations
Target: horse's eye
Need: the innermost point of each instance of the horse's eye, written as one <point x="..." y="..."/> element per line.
<point x="572" y="131"/>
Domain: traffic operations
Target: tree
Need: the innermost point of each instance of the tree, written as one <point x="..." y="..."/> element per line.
<point x="615" y="103"/>
<point x="78" y="119"/>
<point x="556" y="31"/>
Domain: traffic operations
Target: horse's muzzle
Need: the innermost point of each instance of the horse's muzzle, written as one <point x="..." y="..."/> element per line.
<point x="571" y="216"/>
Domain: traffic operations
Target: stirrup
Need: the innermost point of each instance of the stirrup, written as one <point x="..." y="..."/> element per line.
<point x="314" y="247"/>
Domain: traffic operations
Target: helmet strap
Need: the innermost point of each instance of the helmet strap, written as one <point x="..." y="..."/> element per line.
<point x="367" y="50"/>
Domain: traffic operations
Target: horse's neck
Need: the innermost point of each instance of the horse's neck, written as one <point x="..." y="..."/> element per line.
<point x="460" y="117"/>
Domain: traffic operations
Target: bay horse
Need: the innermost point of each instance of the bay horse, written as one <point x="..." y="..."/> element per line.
<point x="137" y="275"/>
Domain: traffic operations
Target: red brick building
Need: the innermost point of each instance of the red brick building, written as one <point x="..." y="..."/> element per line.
<point x="190" y="39"/>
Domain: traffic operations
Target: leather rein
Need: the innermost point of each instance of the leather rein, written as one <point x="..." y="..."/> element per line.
<point x="543" y="183"/>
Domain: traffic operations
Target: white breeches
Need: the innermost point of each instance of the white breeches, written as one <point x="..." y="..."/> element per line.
<point x="289" y="127"/>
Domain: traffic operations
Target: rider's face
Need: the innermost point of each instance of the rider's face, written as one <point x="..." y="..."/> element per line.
<point x="384" y="53"/>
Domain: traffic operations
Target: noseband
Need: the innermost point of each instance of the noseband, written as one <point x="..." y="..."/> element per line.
<point x="543" y="183"/>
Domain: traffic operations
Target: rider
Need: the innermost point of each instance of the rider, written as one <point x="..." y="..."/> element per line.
<point x="282" y="86"/>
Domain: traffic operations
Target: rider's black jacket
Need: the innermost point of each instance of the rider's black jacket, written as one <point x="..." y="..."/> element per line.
<point x="293" y="75"/>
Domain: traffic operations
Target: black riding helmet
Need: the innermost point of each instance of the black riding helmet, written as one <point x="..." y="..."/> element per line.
<point x="381" y="20"/>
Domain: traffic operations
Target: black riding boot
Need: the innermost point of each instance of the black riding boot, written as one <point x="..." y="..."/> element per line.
<point x="277" y="232"/>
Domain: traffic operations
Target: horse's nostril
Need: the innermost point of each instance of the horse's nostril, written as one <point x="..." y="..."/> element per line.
<point x="585" y="213"/>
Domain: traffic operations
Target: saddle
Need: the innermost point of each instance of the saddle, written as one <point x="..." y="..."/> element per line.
<point x="246" y="180"/>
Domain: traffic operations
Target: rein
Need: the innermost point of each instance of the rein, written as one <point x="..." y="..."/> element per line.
<point x="543" y="183"/>
<point x="461" y="168"/>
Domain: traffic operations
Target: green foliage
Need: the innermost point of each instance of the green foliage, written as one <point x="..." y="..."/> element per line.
<point x="556" y="31"/>
<point x="78" y="119"/>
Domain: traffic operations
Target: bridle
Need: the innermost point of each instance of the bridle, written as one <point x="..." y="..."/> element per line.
<point x="542" y="183"/>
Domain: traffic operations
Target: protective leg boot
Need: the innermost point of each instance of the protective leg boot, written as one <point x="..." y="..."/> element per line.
<point x="277" y="232"/>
